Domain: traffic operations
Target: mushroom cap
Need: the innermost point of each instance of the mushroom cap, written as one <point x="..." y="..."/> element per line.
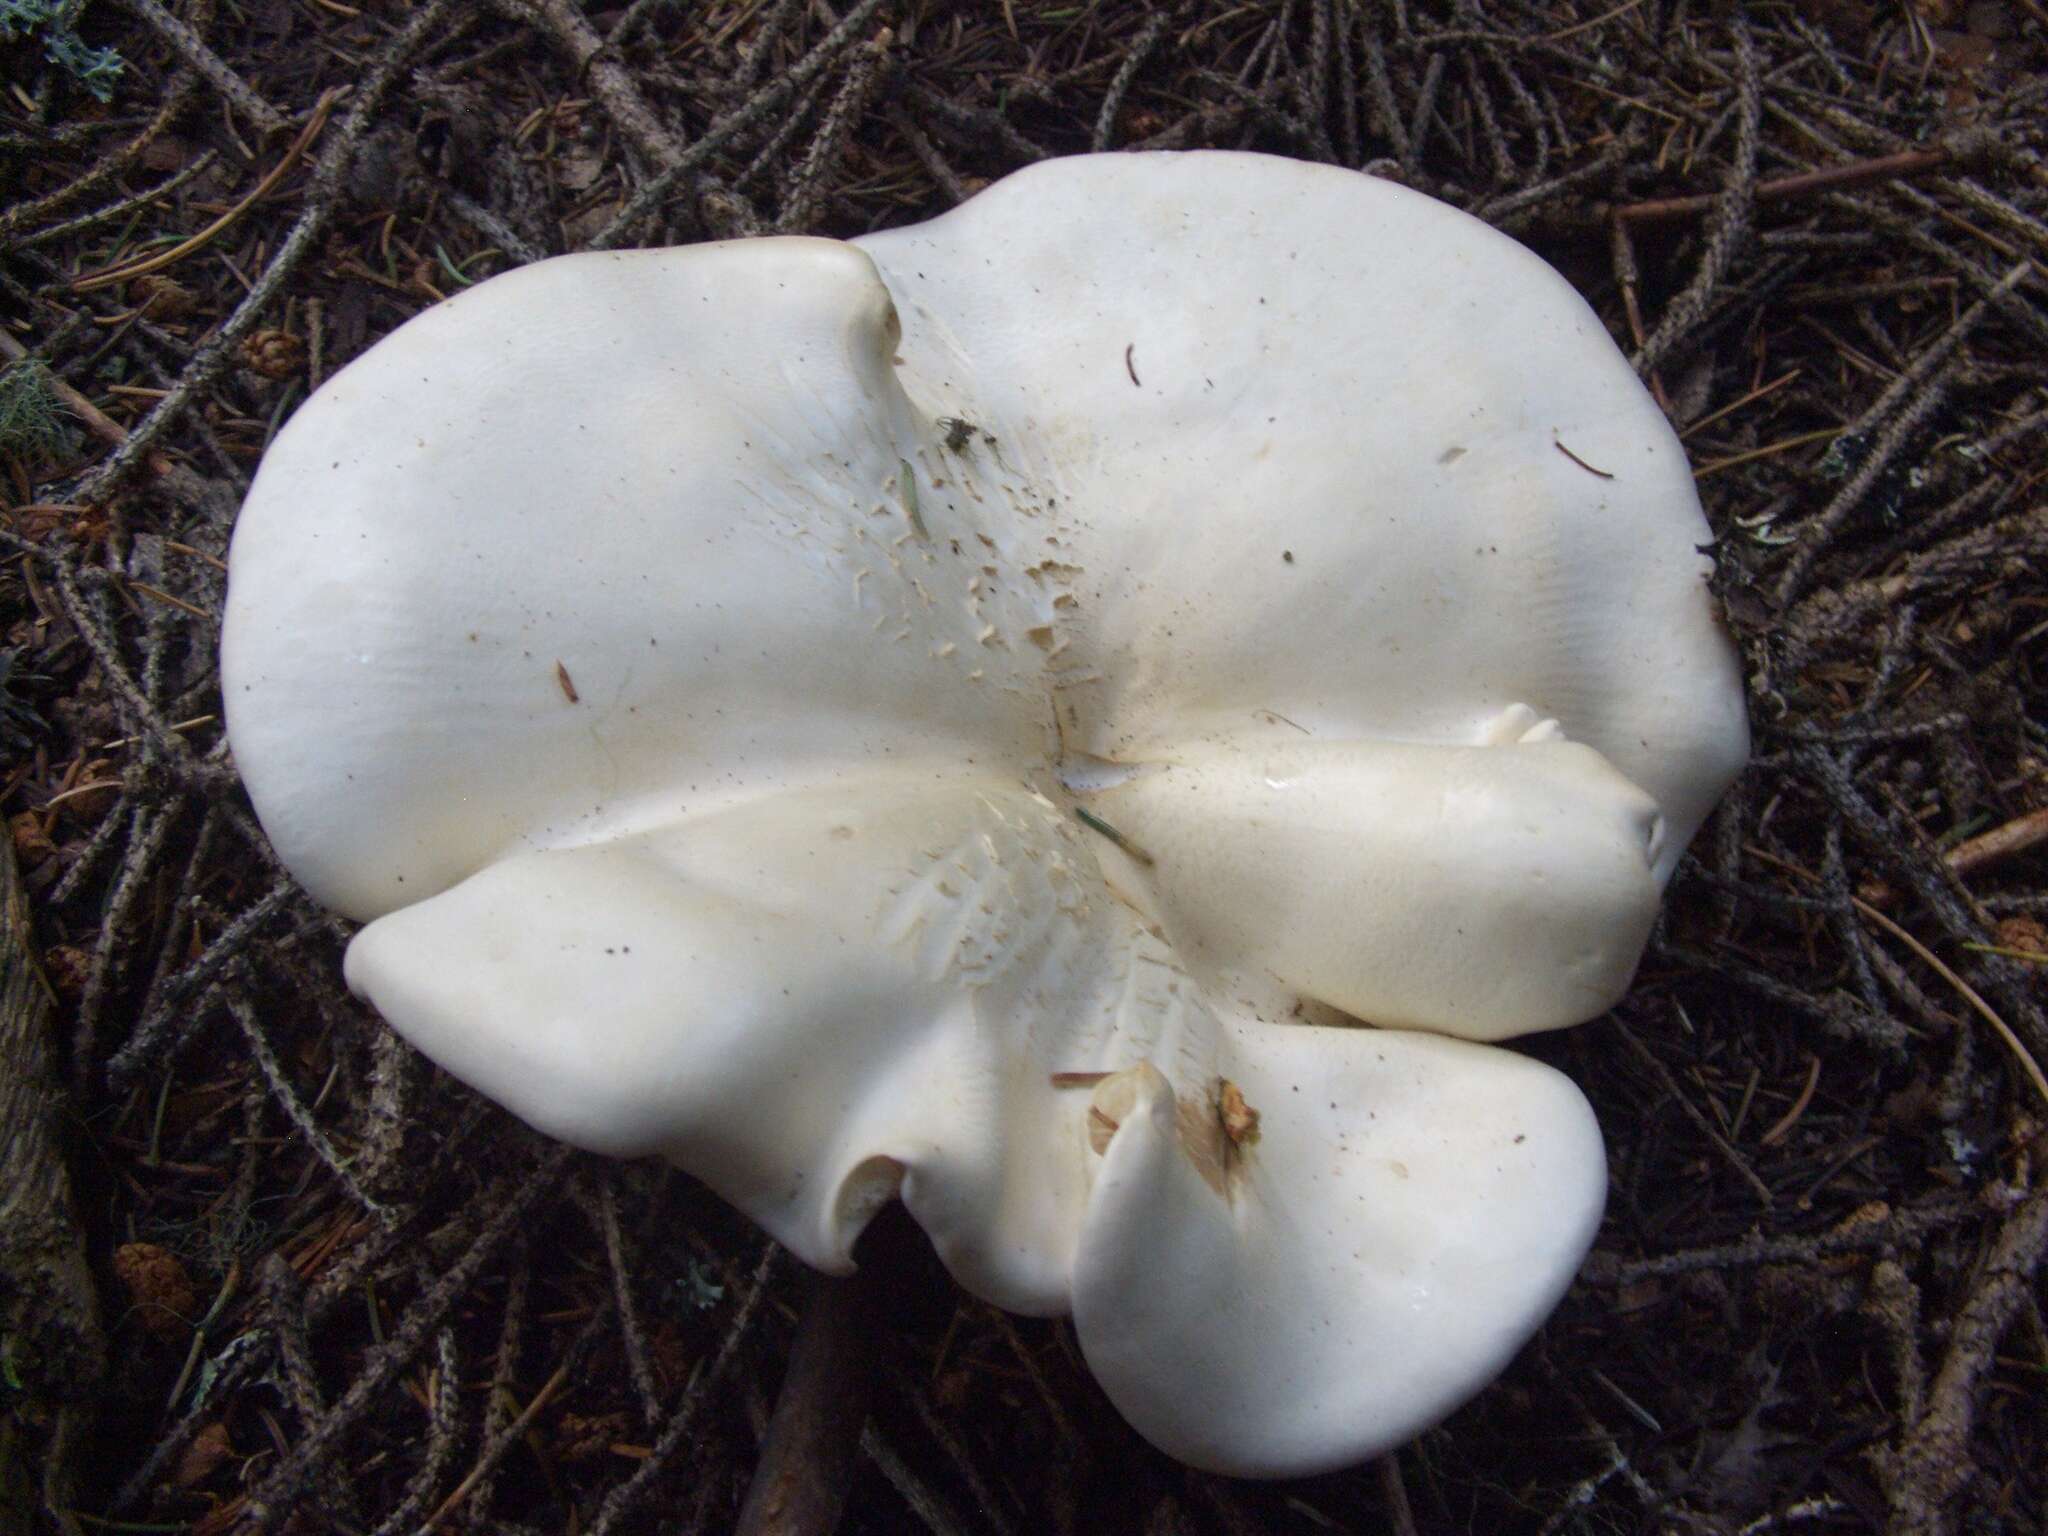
<point x="1411" y="1205"/>
<point x="1350" y="486"/>
<point x="648" y="479"/>
<point x="810" y="709"/>
<point x="1335" y="369"/>
<point x="1263" y="855"/>
<point x="960" y="1034"/>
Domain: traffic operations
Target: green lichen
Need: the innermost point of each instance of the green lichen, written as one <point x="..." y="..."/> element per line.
<point x="95" y="69"/>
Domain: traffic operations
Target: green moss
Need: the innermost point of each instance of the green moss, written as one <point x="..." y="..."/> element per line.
<point x="34" y="424"/>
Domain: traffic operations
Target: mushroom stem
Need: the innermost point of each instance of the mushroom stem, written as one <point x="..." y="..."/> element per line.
<point x="813" y="1440"/>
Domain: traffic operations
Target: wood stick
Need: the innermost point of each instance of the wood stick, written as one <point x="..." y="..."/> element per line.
<point x="807" y="1461"/>
<point x="1832" y="178"/>
<point x="2000" y="843"/>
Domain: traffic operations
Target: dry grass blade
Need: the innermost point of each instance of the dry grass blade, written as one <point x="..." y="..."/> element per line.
<point x="1968" y="993"/>
<point x="177" y="253"/>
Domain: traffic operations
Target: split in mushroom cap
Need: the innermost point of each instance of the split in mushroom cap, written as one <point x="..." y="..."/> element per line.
<point x="801" y="708"/>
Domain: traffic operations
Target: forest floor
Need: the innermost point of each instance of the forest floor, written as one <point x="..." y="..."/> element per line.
<point x="325" y="1287"/>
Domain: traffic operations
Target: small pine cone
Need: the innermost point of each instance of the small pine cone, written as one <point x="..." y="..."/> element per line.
<point x="66" y="966"/>
<point x="2022" y="932"/>
<point x="87" y="807"/>
<point x="158" y="1287"/>
<point x="1142" y="123"/>
<point x="161" y="298"/>
<point x="671" y="1360"/>
<point x="585" y="1437"/>
<point x="207" y="1453"/>
<point x="32" y="844"/>
<point x="952" y="1390"/>
<point x="92" y="527"/>
<point x="274" y="354"/>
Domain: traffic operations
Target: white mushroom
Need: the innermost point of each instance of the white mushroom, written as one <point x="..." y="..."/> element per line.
<point x="933" y="716"/>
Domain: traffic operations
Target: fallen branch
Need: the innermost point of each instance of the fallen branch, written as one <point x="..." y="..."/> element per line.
<point x="54" y="1349"/>
<point x="2000" y="843"/>
<point x="814" y="1438"/>
<point x="1933" y="1464"/>
<point x="1782" y="189"/>
<point x="191" y="47"/>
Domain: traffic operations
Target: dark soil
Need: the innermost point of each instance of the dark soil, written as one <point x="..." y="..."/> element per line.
<point x="339" y="1292"/>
